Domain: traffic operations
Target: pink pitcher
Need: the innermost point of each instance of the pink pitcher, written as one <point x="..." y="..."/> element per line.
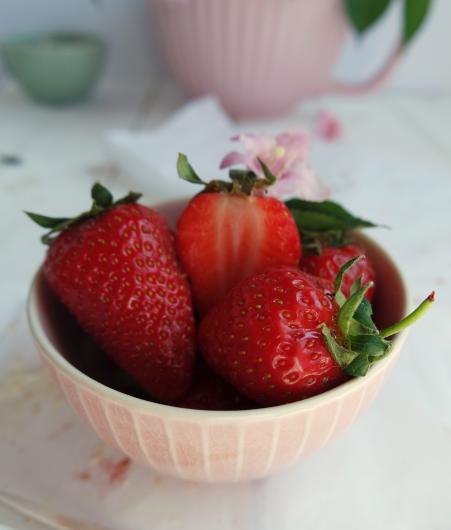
<point x="260" y="57"/>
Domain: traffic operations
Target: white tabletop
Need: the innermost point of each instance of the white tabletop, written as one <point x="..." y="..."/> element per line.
<point x="391" y="470"/>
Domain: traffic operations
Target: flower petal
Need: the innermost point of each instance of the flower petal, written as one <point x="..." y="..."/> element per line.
<point x="233" y="159"/>
<point x="328" y="126"/>
<point x="295" y="140"/>
<point x="302" y="182"/>
<point x="257" y="144"/>
<point x="286" y="156"/>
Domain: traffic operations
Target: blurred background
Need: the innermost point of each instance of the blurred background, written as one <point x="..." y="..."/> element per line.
<point x="133" y="57"/>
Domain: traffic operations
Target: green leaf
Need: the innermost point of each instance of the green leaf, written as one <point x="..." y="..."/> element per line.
<point x="357" y="284"/>
<point x="358" y="367"/>
<point x="376" y="358"/>
<point x="370" y="345"/>
<point x="363" y="316"/>
<point x="186" y="172"/>
<point x="102" y="199"/>
<point x="316" y="222"/>
<point x="101" y="196"/>
<point x="270" y="178"/>
<point x="323" y="223"/>
<point x="341" y="355"/>
<point x="46" y="222"/>
<point x="339" y="296"/>
<point x="324" y="216"/>
<point x="415" y="13"/>
<point x="349" y="308"/>
<point x="364" y="13"/>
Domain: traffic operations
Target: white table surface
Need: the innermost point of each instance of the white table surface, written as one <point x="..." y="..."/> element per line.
<point x="391" y="470"/>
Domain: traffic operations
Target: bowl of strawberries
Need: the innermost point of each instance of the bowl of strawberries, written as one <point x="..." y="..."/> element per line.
<point x="220" y="337"/>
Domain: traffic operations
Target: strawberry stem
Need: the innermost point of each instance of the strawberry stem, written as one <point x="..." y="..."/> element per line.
<point x="242" y="181"/>
<point x="409" y="319"/>
<point x="359" y="344"/>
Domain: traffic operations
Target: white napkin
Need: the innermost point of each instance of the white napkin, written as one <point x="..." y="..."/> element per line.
<point x="200" y="129"/>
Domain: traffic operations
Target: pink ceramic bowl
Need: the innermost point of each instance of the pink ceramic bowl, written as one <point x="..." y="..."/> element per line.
<point x="205" y="445"/>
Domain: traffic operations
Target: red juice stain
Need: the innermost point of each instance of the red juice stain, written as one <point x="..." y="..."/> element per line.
<point x="106" y="471"/>
<point x="84" y="476"/>
<point x="116" y="470"/>
<point x="120" y="471"/>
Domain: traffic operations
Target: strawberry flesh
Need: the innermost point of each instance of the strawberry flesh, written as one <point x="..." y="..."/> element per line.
<point x="223" y="238"/>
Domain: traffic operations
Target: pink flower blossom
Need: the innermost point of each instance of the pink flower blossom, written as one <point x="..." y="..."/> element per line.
<point x="328" y="126"/>
<point x="286" y="155"/>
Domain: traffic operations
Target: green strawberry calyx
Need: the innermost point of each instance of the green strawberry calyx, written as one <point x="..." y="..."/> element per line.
<point x="102" y="200"/>
<point x="359" y="344"/>
<point x="242" y="181"/>
<point x="324" y="223"/>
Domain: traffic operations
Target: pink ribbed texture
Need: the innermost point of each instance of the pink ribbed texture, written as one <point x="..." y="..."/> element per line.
<point x="258" y="56"/>
<point x="216" y="450"/>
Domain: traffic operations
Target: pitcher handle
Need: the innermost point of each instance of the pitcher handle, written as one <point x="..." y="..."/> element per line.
<point x="355" y="89"/>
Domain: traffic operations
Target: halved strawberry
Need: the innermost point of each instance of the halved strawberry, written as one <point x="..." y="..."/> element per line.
<point x="230" y="231"/>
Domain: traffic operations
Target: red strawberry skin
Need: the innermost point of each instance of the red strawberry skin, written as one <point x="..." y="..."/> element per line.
<point x="211" y="392"/>
<point x="263" y="337"/>
<point x="323" y="284"/>
<point x="330" y="260"/>
<point x="118" y="275"/>
<point x="223" y="238"/>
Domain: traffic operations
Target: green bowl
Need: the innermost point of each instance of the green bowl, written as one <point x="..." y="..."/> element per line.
<point x="55" y="68"/>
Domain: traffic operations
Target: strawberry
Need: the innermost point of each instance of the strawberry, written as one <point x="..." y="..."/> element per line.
<point x="323" y="284"/>
<point x="211" y="392"/>
<point x="328" y="242"/>
<point x="278" y="337"/>
<point x="116" y="270"/>
<point x="329" y="260"/>
<point x="230" y="231"/>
